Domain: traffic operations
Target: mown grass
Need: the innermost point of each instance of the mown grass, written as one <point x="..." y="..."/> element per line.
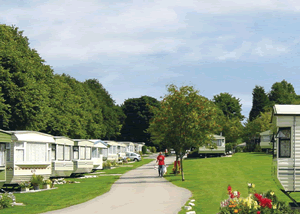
<point x="68" y="194"/>
<point x="208" y="179"/>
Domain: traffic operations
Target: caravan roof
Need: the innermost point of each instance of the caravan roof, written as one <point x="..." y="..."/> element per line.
<point x="283" y="109"/>
<point x="99" y="143"/>
<point x="31" y="136"/>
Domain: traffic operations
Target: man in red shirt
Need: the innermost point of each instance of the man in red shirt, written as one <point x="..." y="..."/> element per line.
<point x="161" y="162"/>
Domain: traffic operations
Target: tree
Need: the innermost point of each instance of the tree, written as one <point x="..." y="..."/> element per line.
<point x="112" y="114"/>
<point x="230" y="105"/>
<point x="232" y="129"/>
<point x="24" y="81"/>
<point x="282" y="93"/>
<point x="258" y="125"/>
<point x="230" y="116"/>
<point x="185" y="119"/>
<point x="138" y="115"/>
<point x="260" y="102"/>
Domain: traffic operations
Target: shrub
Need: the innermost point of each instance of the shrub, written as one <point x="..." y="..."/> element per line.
<point x="228" y="147"/>
<point x="24" y="184"/>
<point x="36" y="180"/>
<point x="108" y="163"/>
<point x="153" y="149"/>
<point x="144" y="149"/>
<point x="114" y="163"/>
<point x="257" y="148"/>
<point x="7" y="200"/>
<point x="48" y="181"/>
<point x="238" y="149"/>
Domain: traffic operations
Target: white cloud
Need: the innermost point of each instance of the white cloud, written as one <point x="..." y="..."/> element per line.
<point x="267" y="47"/>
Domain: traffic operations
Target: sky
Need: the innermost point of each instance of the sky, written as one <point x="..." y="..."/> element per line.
<point x="136" y="48"/>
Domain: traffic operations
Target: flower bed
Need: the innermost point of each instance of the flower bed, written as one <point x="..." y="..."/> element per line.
<point x="255" y="203"/>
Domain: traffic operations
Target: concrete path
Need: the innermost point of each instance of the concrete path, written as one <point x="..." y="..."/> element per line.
<point x="137" y="191"/>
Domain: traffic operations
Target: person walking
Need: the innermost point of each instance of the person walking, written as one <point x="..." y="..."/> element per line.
<point x="161" y="162"/>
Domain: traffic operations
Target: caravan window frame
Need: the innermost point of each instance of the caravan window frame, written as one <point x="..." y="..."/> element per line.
<point x="285" y="139"/>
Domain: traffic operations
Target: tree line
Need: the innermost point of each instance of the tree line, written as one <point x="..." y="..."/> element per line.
<point x="33" y="97"/>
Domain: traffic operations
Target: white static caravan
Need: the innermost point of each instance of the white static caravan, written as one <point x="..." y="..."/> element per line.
<point x="97" y="154"/>
<point x="112" y="150"/>
<point x="61" y="157"/>
<point x="265" y="140"/>
<point x="130" y="146"/>
<point x="29" y="153"/>
<point x="82" y="156"/>
<point x="286" y="118"/>
<point x="138" y="146"/>
<point x="220" y="150"/>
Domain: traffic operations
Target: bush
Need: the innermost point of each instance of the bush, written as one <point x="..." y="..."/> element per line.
<point x="114" y="163"/>
<point x="257" y="148"/>
<point x="228" y="147"/>
<point x="144" y="149"/>
<point x="238" y="149"/>
<point x="153" y="149"/>
<point x="6" y="200"/>
<point x="36" y="180"/>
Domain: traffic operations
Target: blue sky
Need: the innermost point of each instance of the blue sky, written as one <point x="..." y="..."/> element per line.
<point x="136" y="48"/>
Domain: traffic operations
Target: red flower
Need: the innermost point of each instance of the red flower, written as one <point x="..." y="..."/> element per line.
<point x="258" y="212"/>
<point x="239" y="194"/>
<point x="229" y="189"/>
<point x="187" y="103"/>
<point x="231" y="195"/>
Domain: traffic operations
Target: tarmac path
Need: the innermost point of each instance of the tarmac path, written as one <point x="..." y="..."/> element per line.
<point x="137" y="191"/>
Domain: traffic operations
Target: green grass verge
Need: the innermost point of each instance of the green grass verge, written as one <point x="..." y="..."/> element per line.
<point x="208" y="179"/>
<point x="68" y="194"/>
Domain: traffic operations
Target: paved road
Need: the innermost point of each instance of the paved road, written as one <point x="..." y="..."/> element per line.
<point x="137" y="191"/>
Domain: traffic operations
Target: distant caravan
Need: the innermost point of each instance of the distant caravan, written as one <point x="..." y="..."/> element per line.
<point x="219" y="151"/>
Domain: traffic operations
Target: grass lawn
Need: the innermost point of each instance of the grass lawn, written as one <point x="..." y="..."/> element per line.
<point x="208" y="179"/>
<point x="68" y="194"/>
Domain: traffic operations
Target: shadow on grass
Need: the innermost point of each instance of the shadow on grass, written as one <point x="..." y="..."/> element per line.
<point x="141" y="182"/>
<point x="139" y="177"/>
<point x="260" y="153"/>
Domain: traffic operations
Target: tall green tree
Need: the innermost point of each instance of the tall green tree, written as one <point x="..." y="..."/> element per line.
<point x="282" y="93"/>
<point x="259" y="124"/>
<point x="113" y="115"/>
<point x="260" y="102"/>
<point x="230" y="105"/>
<point x="24" y="79"/>
<point x="185" y="119"/>
<point x="231" y="118"/>
<point x="138" y="116"/>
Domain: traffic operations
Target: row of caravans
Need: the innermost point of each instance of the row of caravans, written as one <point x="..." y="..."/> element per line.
<point x="24" y="153"/>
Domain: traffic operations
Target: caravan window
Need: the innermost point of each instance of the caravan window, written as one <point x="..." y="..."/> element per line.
<point x="114" y="150"/>
<point x="8" y="152"/>
<point x="36" y="152"/>
<point x="104" y="152"/>
<point x="53" y="151"/>
<point x="2" y="154"/>
<point x="110" y="149"/>
<point x="67" y="153"/>
<point x="284" y="142"/>
<point x="19" y="152"/>
<point x="88" y="153"/>
<point x="60" y="152"/>
<point x="94" y="152"/>
<point x="82" y="152"/>
<point x="76" y="152"/>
